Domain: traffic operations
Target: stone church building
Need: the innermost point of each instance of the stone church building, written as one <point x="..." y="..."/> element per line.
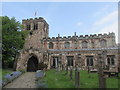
<point x="65" y="51"/>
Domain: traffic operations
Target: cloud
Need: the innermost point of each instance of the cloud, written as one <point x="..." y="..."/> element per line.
<point x="111" y="28"/>
<point x="106" y="24"/>
<point x="101" y="11"/>
<point x="107" y="19"/>
<point x="79" y="23"/>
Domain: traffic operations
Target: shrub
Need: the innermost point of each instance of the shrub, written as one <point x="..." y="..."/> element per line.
<point x="42" y="66"/>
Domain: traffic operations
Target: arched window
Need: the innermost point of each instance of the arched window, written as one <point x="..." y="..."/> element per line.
<point x="35" y="26"/>
<point x="111" y="60"/>
<point x="89" y="60"/>
<point x="51" y="45"/>
<point x="28" y="27"/>
<point x="67" y="45"/>
<point x="103" y="43"/>
<point x="75" y="44"/>
<point x="93" y="44"/>
<point x="84" y="44"/>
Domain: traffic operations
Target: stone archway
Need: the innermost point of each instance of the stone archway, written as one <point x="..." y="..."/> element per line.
<point x="32" y="64"/>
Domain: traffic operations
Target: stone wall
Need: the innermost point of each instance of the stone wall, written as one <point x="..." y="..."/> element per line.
<point x="93" y="41"/>
<point x="37" y="44"/>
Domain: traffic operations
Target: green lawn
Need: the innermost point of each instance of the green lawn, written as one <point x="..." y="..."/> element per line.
<point x="60" y="80"/>
<point x="3" y="72"/>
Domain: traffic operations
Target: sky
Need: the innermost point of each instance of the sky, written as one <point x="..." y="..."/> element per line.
<point x="65" y="18"/>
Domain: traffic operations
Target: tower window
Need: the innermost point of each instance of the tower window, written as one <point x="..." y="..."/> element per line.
<point x="51" y="45"/>
<point x="84" y="44"/>
<point x="35" y="26"/>
<point x="28" y="27"/>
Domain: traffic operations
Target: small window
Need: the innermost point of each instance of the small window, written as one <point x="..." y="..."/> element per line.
<point x="103" y="43"/>
<point x="67" y="45"/>
<point x="51" y="45"/>
<point x="75" y="44"/>
<point x="28" y="27"/>
<point x="93" y="44"/>
<point x="84" y="44"/>
<point x="35" y="26"/>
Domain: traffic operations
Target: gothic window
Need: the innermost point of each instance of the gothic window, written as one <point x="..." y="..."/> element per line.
<point x="69" y="60"/>
<point x="84" y="44"/>
<point x="103" y="43"/>
<point x="75" y="44"/>
<point x="89" y="60"/>
<point x="93" y="44"/>
<point x="110" y="60"/>
<point x="67" y="45"/>
<point x="51" y="45"/>
<point x="35" y="26"/>
<point x="28" y="27"/>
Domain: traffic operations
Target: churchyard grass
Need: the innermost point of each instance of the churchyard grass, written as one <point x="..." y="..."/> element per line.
<point x="4" y="72"/>
<point x="60" y="80"/>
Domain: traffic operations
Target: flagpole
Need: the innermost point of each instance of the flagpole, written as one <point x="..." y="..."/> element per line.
<point x="35" y="14"/>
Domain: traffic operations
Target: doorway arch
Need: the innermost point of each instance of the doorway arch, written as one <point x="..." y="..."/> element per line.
<point x="32" y="64"/>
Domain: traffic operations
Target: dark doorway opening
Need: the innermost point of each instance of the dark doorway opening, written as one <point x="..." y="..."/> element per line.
<point x="55" y="62"/>
<point x="32" y="64"/>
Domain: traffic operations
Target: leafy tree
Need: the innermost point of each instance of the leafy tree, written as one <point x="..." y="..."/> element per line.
<point x="13" y="39"/>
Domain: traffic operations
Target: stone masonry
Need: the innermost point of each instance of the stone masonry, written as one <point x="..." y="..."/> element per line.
<point x="55" y="51"/>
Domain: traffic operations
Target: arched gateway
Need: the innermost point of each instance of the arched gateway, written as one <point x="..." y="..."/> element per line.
<point x="32" y="64"/>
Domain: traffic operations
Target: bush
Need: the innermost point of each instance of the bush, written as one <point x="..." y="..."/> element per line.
<point x="22" y="70"/>
<point x="42" y="66"/>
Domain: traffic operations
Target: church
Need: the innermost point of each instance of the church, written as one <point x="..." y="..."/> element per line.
<point x="77" y="50"/>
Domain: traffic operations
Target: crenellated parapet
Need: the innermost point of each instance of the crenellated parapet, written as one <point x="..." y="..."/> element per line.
<point x="91" y="36"/>
<point x="40" y="19"/>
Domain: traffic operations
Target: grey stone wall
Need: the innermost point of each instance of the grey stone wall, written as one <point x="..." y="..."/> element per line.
<point x="37" y="43"/>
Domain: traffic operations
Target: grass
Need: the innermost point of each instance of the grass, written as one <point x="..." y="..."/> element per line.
<point x="3" y="72"/>
<point x="60" y="80"/>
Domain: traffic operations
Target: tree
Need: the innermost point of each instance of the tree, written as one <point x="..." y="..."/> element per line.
<point x="13" y="39"/>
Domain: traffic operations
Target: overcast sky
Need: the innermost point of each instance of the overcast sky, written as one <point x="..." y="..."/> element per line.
<point x="65" y="18"/>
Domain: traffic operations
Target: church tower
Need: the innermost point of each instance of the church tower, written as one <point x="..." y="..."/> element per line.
<point x="38" y="29"/>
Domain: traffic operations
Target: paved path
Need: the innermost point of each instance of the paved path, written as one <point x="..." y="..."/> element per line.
<point x="27" y="80"/>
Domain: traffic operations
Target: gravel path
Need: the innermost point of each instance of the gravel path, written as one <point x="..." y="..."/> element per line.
<point x="27" y="80"/>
